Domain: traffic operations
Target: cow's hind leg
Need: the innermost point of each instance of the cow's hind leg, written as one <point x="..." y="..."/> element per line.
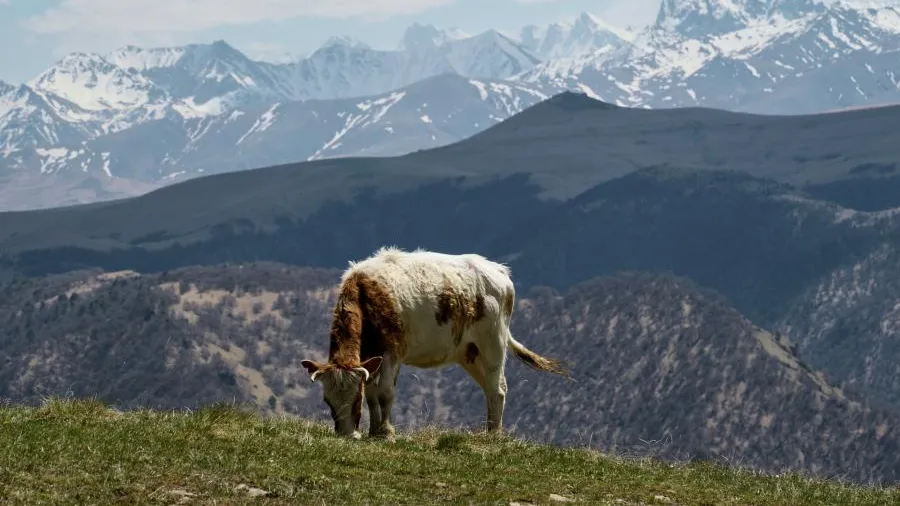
<point x="486" y="365"/>
<point x="495" y="393"/>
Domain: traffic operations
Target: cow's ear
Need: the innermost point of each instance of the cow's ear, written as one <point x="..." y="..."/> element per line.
<point x="372" y="365"/>
<point x="313" y="368"/>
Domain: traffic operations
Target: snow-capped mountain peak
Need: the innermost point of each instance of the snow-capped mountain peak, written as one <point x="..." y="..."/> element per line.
<point x="581" y="36"/>
<point x="426" y="37"/>
<point x="94" y="84"/>
<point x="489" y="54"/>
<point x="588" y="25"/>
<point x="200" y="73"/>
<point x="344" y="41"/>
<point x="699" y="18"/>
<point x="134" y="57"/>
<point x="201" y="57"/>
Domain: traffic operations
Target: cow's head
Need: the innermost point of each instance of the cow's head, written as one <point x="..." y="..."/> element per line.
<point x="343" y="390"/>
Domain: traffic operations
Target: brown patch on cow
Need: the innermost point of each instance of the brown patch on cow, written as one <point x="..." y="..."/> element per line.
<point x="509" y="300"/>
<point x="479" y="307"/>
<point x="458" y="309"/>
<point x="365" y="323"/>
<point x="471" y="353"/>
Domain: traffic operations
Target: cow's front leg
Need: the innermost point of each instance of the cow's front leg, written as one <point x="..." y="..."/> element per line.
<point x="386" y="399"/>
<point x="380" y="394"/>
<point x="375" y="416"/>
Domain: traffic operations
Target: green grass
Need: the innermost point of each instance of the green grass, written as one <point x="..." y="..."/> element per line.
<point x="80" y="452"/>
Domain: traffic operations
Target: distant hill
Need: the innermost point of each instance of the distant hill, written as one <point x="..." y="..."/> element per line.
<point x="654" y="359"/>
<point x="561" y="146"/>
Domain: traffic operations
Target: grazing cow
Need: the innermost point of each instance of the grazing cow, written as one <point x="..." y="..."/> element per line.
<point x="424" y="309"/>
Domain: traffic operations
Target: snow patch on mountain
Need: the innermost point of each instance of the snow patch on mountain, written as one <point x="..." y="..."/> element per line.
<point x="757" y="35"/>
<point x="52" y="156"/>
<point x="188" y="109"/>
<point x="510" y="98"/>
<point x="372" y="112"/>
<point x="885" y="14"/>
<point x="262" y="123"/>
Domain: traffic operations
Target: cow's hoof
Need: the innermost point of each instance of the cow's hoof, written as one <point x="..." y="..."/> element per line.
<point x="386" y="434"/>
<point x="389" y="437"/>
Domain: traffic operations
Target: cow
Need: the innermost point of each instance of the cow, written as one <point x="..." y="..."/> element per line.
<point x="424" y="309"/>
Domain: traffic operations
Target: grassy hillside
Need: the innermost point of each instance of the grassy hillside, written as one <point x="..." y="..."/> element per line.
<point x="67" y="452"/>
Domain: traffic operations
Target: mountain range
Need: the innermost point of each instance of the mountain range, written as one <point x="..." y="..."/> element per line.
<point x="95" y="127"/>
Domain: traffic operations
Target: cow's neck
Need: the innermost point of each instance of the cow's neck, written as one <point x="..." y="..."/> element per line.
<point x="365" y="323"/>
<point x="345" y="347"/>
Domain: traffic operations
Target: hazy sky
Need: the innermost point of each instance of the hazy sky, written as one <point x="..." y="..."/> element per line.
<point x="35" y="33"/>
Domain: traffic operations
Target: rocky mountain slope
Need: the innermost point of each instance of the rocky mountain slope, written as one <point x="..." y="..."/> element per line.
<point x="88" y="112"/>
<point x="851" y="317"/>
<point x="662" y="368"/>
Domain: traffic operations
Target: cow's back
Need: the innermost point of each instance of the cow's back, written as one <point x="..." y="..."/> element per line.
<point x="439" y="297"/>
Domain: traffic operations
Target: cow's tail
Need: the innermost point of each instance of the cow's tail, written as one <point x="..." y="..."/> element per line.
<point x="536" y="361"/>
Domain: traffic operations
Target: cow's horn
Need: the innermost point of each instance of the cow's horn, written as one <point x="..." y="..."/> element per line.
<point x="363" y="370"/>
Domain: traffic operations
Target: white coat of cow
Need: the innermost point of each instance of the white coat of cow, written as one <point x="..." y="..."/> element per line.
<point x="423" y="309"/>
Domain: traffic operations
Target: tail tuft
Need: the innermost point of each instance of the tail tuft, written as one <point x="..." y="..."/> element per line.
<point x="536" y="361"/>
